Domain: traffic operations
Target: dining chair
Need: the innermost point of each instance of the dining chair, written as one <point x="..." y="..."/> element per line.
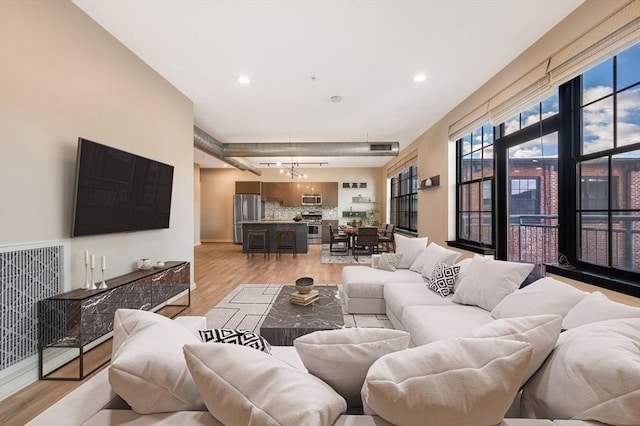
<point x="338" y="238"/>
<point x="366" y="240"/>
<point x="387" y="238"/>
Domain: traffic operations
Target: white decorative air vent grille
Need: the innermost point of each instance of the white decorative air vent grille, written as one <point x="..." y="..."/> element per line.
<point x="26" y="276"/>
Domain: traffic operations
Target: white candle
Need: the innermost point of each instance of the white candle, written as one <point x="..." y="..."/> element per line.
<point x="86" y="257"/>
<point x="93" y="261"/>
<point x="104" y="262"/>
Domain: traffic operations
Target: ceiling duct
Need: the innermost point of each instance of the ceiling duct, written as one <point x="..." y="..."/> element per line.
<point x="311" y="149"/>
<point x="207" y="143"/>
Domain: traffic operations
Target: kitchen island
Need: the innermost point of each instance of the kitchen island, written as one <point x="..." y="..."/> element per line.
<point x="273" y="226"/>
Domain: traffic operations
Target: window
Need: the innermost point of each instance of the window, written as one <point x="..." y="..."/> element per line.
<point x="524" y="197"/>
<point x="606" y="177"/>
<point x="404" y="199"/>
<point x="566" y="179"/>
<point x="475" y="188"/>
<point x="533" y="115"/>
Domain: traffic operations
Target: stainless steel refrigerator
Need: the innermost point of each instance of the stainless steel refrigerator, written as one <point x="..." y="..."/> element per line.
<point x="246" y="208"/>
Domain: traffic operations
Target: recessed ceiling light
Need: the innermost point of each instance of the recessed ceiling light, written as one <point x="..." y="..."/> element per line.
<point x="243" y="79"/>
<point x="420" y="78"/>
<point x="336" y="99"/>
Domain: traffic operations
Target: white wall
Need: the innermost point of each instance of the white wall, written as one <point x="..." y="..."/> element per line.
<point x="62" y="76"/>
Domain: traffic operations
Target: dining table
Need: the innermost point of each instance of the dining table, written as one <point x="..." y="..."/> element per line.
<point x="351" y="232"/>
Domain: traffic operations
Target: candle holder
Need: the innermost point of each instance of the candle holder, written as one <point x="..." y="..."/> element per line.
<point x="103" y="284"/>
<point x="92" y="285"/>
<point x="87" y="284"/>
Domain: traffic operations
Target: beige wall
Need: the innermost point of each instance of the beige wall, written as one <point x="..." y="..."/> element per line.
<point x="62" y="76"/>
<point x="436" y="154"/>
<point x="218" y="187"/>
<point x="196" y="205"/>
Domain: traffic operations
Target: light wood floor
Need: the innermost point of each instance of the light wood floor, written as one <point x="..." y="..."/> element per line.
<point x="219" y="267"/>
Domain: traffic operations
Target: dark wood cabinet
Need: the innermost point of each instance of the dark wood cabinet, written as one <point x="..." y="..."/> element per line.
<point x="330" y="194"/>
<point x="290" y="193"/>
<point x="249" y="187"/>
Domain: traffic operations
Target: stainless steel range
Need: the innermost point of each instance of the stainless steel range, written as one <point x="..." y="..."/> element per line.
<point x="314" y="222"/>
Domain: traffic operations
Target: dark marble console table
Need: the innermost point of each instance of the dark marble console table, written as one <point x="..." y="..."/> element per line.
<point x="79" y="317"/>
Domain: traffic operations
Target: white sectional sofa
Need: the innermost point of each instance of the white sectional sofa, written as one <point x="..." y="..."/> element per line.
<point x="486" y="292"/>
<point x="487" y="347"/>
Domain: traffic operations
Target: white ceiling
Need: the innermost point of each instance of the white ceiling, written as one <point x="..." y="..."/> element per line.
<point x="300" y="54"/>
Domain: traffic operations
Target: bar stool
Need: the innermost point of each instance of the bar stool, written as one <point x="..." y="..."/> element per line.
<point x="281" y="241"/>
<point x="257" y="239"/>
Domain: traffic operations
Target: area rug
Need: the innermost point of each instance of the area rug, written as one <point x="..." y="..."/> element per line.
<point x="328" y="257"/>
<point x="247" y="305"/>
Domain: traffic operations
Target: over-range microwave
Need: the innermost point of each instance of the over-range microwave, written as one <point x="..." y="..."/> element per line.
<point x="311" y="200"/>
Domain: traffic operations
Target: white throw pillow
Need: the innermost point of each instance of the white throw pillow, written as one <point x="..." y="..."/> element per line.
<point x="432" y="255"/>
<point x="545" y="296"/>
<point x="242" y="386"/>
<point x="541" y="331"/>
<point x="488" y="281"/>
<point x="342" y="357"/>
<point x="147" y="366"/>
<point x="410" y="248"/>
<point x="450" y="382"/>
<point x="464" y="268"/>
<point x="593" y="374"/>
<point x="597" y="307"/>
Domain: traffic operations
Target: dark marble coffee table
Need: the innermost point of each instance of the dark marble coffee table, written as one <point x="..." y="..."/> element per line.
<point x="286" y="321"/>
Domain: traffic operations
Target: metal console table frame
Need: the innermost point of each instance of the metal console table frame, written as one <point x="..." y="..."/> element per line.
<point x="74" y="319"/>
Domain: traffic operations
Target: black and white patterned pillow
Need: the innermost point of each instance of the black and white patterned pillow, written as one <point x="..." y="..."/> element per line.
<point x="238" y="337"/>
<point x="443" y="278"/>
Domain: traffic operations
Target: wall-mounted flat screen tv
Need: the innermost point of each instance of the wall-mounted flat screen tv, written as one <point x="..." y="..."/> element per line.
<point x="117" y="191"/>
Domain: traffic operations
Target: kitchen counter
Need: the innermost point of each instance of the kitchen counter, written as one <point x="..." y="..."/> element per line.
<point x="301" y="229"/>
<point x="276" y="221"/>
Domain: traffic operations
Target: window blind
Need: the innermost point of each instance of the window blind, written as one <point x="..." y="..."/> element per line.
<point x="403" y="163"/>
<point x="475" y="118"/>
<point x="607" y="39"/>
<point x="611" y="36"/>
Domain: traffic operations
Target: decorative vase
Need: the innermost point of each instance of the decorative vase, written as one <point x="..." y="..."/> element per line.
<point x="304" y="285"/>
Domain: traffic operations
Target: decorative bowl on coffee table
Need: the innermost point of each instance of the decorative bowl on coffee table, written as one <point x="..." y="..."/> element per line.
<point x="304" y="285"/>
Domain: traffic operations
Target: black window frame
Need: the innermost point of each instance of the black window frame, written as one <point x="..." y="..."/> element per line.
<point x="404" y="200"/>
<point x="570" y="156"/>
<point x="475" y="245"/>
<point x="568" y="123"/>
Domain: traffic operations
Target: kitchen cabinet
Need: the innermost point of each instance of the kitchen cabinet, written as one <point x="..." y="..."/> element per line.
<point x="249" y="187"/>
<point x="289" y="194"/>
<point x="330" y="194"/>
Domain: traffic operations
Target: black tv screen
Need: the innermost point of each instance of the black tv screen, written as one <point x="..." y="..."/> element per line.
<point x="117" y="191"/>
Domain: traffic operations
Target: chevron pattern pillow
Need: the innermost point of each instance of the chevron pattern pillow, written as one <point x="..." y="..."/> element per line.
<point x="238" y="337"/>
<point x="443" y="278"/>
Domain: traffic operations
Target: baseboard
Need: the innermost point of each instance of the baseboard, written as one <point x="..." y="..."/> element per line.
<point x="214" y="240"/>
<point x="24" y="373"/>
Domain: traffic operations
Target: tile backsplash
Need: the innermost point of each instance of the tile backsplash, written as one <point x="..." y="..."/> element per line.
<point x="274" y="210"/>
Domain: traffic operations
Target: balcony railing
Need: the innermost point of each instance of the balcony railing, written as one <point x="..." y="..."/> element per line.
<point x="534" y="239"/>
